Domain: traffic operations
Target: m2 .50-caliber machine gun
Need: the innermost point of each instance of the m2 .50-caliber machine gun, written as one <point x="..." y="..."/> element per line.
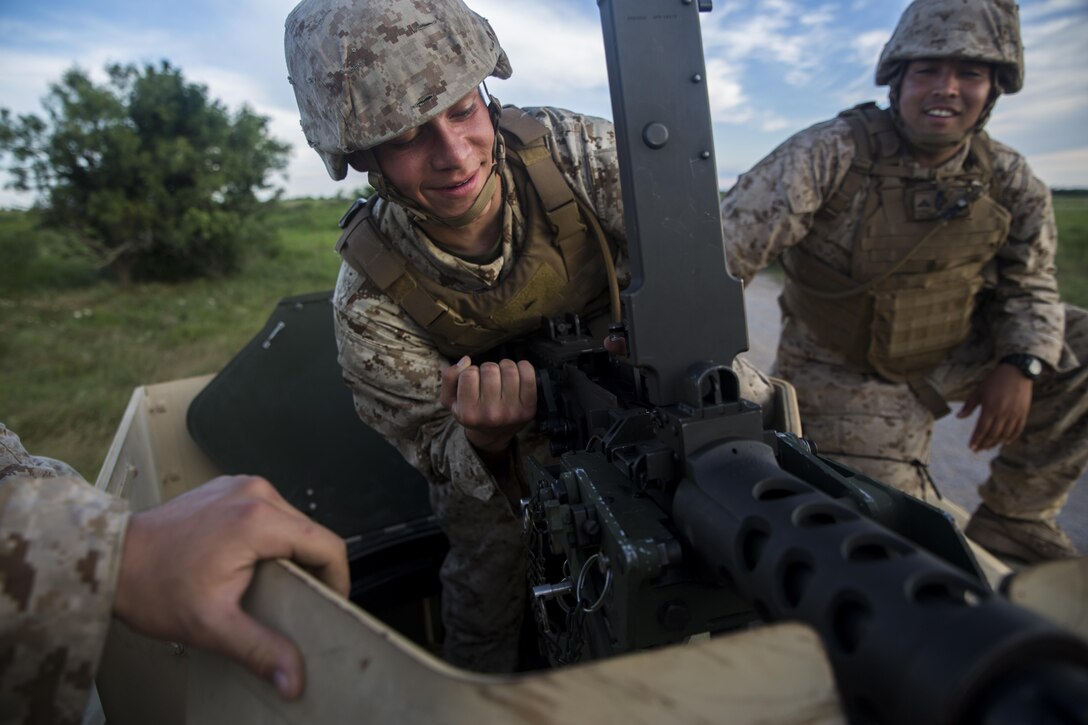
<point x="672" y="512"/>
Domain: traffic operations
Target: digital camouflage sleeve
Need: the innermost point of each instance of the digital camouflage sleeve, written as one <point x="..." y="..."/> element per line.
<point x="60" y="552"/>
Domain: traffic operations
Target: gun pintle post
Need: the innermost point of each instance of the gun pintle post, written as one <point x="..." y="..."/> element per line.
<point x="670" y="195"/>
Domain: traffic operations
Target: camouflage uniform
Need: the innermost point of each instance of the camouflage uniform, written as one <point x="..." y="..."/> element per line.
<point x="60" y="554"/>
<point x="364" y="72"/>
<point x="393" y="370"/>
<point x="882" y="424"/>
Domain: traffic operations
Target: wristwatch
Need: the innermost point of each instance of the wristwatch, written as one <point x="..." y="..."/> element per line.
<point x="1028" y="365"/>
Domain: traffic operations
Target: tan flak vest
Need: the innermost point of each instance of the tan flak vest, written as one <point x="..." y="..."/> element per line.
<point x="559" y="269"/>
<point x="917" y="262"/>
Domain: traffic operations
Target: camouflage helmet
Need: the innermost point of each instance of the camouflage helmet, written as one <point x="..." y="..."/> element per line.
<point x="366" y="71"/>
<point x="980" y="30"/>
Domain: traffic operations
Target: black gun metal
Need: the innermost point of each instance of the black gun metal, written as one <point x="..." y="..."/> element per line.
<point x="672" y="511"/>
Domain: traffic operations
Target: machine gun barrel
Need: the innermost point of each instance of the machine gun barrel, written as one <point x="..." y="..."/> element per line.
<point x="911" y="638"/>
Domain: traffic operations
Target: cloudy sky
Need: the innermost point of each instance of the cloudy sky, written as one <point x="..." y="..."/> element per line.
<point x="773" y="67"/>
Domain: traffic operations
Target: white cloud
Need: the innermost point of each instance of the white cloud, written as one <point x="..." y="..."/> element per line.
<point x="1063" y="169"/>
<point x="1052" y="109"/>
<point x="773" y="66"/>
<point x="23" y="91"/>
<point x="551" y="49"/>
<point x="773" y="124"/>
<point x="867" y="46"/>
<point x="728" y="102"/>
<point x="1035" y="10"/>
<point x="818" y="18"/>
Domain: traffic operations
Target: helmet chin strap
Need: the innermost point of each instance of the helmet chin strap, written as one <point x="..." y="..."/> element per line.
<point x="487" y="193"/>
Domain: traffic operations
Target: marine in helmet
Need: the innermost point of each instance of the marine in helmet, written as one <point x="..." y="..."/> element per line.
<point x="919" y="259"/>
<point x="485" y="220"/>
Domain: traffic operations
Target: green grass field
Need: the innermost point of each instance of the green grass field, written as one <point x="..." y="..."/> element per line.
<point x="73" y="347"/>
<point x="1071" y="210"/>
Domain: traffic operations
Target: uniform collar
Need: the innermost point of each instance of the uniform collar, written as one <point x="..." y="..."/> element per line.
<point x="447" y="268"/>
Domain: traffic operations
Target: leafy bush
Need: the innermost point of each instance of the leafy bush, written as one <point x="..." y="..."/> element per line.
<point x="150" y="176"/>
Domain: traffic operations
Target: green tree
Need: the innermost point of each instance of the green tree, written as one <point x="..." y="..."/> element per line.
<point x="154" y="179"/>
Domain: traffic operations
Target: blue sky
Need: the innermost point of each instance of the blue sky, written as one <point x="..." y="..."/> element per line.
<point x="773" y="67"/>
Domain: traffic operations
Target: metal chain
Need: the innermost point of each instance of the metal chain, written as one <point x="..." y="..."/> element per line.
<point x="562" y="646"/>
<point x="572" y="652"/>
<point x="536" y="572"/>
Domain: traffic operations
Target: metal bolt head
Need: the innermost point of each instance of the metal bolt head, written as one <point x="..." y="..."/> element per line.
<point x="655" y="134"/>
<point x="674" y="616"/>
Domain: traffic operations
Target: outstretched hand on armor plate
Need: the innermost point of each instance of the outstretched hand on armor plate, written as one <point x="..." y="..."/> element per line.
<point x="186" y="564"/>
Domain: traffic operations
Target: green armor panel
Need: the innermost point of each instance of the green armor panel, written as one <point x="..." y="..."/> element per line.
<point x="280" y="410"/>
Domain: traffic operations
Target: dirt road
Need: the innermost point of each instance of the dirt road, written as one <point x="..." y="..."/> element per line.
<point x="956" y="470"/>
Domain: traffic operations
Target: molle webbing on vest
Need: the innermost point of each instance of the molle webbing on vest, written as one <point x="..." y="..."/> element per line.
<point x="558" y="269"/>
<point x="561" y="206"/>
<point x="535" y="157"/>
<point x="887" y="144"/>
<point x="916" y="265"/>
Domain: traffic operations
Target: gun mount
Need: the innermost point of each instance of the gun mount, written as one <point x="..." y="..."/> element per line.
<point x="672" y="512"/>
